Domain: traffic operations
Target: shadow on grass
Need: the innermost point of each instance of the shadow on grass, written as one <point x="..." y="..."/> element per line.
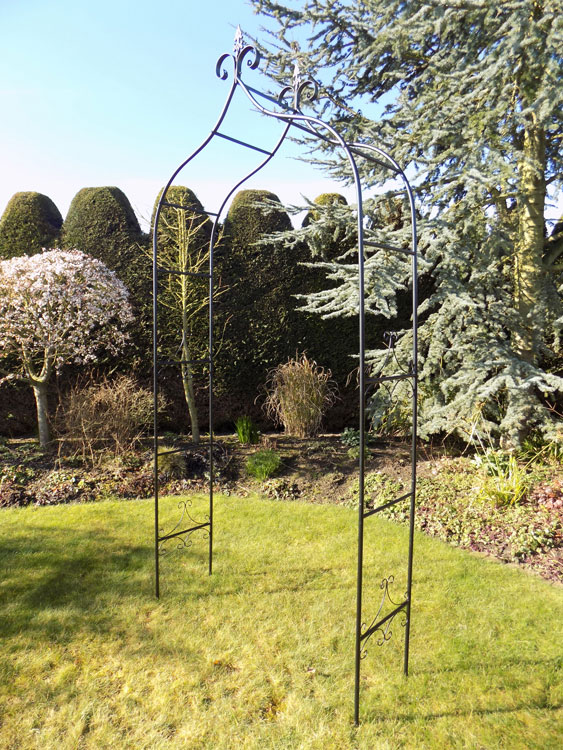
<point x="61" y="581"/>
<point x="375" y="716"/>
<point x="500" y="663"/>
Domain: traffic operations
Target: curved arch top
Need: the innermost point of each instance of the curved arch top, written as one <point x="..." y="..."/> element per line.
<point x="287" y="108"/>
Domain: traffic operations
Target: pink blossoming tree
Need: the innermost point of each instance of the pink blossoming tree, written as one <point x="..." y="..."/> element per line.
<point x="58" y="307"/>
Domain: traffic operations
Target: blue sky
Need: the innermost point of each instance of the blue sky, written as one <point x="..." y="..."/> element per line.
<point x="119" y="93"/>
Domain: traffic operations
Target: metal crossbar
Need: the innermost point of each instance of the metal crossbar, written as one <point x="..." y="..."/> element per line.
<point x="242" y="143"/>
<point x="384" y="378"/>
<point x="392" y="248"/>
<point x="371" y="630"/>
<point x="173" y="272"/>
<point x="172" y="362"/>
<point x="387" y="505"/>
<point x="185" y="531"/>
<point x="191" y="209"/>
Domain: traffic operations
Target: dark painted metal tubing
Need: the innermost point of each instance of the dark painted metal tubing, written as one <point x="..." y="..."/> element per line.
<point x="185" y="531"/>
<point x="173" y="272"/>
<point x="243" y="143"/>
<point x="168" y="362"/>
<point x="315" y="128"/>
<point x="386" y="505"/>
<point x="391" y="248"/>
<point x="383" y="378"/>
<point x="381" y="622"/>
<point x="191" y="209"/>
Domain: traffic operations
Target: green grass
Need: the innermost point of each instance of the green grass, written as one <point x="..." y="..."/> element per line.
<point x="260" y="655"/>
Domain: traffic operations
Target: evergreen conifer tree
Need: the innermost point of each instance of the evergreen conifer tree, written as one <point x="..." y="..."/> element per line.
<point x="468" y="99"/>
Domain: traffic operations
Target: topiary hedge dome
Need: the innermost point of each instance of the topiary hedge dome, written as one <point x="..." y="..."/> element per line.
<point x="30" y="222"/>
<point x="102" y="223"/>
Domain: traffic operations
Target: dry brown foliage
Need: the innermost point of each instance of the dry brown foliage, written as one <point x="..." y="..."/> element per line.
<point x="299" y="394"/>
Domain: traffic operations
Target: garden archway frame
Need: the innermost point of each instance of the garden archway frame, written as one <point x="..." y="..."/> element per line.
<point x="287" y="109"/>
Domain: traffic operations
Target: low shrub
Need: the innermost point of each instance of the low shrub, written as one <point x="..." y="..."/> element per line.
<point x="299" y="393"/>
<point x="379" y="488"/>
<point x="246" y="430"/>
<point x="172" y="463"/>
<point x="263" y="464"/>
<point x="111" y="415"/>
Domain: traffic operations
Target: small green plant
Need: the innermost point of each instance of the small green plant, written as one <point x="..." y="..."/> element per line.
<point x="536" y="449"/>
<point x="506" y="481"/>
<point x="299" y="393"/>
<point x="354" y="452"/>
<point x="171" y="463"/>
<point x="18" y="474"/>
<point x="247" y="432"/>
<point x="263" y="464"/>
<point x="350" y="437"/>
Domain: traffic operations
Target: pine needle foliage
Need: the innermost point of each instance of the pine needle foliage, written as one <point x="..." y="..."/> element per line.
<point x="467" y="96"/>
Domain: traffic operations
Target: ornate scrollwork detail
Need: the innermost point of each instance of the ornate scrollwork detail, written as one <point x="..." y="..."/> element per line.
<point x="384" y="628"/>
<point x="241" y="52"/>
<point x="182" y="539"/>
<point x="301" y="90"/>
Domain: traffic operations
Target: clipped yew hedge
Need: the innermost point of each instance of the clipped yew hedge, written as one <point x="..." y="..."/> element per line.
<point x="30" y="222"/>
<point x="102" y="223"/>
<point x="255" y="315"/>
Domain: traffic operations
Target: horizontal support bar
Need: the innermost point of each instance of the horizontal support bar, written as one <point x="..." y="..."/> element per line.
<point x="201" y="444"/>
<point x="371" y="631"/>
<point x="243" y="143"/>
<point x="261" y="94"/>
<point x="185" y="531"/>
<point x="371" y="158"/>
<point x="166" y="362"/>
<point x="383" y="378"/>
<point x="310" y="130"/>
<point x="386" y="505"/>
<point x="392" y="248"/>
<point x="200" y="211"/>
<point x="171" y="271"/>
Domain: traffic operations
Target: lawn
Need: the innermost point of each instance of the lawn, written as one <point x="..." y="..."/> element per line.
<point x="260" y="655"/>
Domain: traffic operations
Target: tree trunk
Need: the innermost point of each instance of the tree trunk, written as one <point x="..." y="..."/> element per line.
<point x="40" y="393"/>
<point x="188" y="383"/>
<point x="528" y="259"/>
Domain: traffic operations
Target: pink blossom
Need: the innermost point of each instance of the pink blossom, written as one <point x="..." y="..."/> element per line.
<point x="57" y="307"/>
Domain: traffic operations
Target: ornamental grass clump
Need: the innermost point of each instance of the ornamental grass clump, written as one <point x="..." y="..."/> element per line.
<point x="299" y="393"/>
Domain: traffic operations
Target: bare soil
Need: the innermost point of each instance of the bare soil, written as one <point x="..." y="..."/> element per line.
<point x="318" y="470"/>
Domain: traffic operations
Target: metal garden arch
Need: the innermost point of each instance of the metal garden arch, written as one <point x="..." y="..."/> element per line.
<point x="287" y="109"/>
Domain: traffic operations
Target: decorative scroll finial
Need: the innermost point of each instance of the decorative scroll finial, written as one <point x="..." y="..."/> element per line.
<point x="239" y="42"/>
<point x="296" y="75"/>
<point x="301" y="89"/>
<point x="290" y="97"/>
<point x="241" y="50"/>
